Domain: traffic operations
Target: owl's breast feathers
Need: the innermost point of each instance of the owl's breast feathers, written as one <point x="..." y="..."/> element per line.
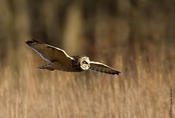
<point x="76" y="63"/>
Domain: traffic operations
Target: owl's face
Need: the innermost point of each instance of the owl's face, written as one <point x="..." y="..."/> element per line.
<point x="84" y="63"/>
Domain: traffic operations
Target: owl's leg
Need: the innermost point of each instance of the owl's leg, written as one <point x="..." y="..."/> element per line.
<point x="47" y="66"/>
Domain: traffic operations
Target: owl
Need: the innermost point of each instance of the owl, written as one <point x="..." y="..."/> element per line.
<point x="58" y="59"/>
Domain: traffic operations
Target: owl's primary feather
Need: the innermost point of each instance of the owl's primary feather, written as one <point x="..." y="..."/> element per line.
<point x="59" y="60"/>
<point x="49" y="53"/>
<point x="100" y="67"/>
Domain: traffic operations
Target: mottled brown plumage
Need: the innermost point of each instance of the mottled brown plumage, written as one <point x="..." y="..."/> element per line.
<point x="58" y="59"/>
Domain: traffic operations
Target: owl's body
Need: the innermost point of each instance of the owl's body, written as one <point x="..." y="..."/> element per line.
<point x="74" y="66"/>
<point x="58" y="59"/>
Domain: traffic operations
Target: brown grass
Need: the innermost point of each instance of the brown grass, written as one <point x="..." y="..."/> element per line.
<point x="26" y="92"/>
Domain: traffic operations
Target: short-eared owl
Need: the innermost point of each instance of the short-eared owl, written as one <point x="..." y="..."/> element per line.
<point x="58" y="59"/>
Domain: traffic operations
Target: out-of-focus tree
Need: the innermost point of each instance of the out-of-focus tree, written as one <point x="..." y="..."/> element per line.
<point x="97" y="28"/>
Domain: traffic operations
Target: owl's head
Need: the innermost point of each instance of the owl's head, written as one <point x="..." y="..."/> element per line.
<point x="84" y="63"/>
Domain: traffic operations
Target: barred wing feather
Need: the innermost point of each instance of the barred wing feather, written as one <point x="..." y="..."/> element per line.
<point x="49" y="53"/>
<point x="100" y="67"/>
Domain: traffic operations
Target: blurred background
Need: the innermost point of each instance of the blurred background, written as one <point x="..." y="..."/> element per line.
<point x="137" y="37"/>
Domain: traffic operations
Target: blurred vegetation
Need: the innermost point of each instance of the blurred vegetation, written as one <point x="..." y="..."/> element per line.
<point x="92" y="27"/>
<point x="137" y="37"/>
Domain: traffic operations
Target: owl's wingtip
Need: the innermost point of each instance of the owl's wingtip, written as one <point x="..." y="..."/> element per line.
<point x="116" y="73"/>
<point x="30" y="42"/>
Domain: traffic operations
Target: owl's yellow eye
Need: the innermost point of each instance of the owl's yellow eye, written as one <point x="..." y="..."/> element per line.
<point x="85" y="62"/>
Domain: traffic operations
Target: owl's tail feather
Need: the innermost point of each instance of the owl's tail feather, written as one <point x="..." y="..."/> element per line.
<point x="47" y="66"/>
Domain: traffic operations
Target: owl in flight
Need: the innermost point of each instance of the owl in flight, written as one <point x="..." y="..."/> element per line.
<point x="58" y="59"/>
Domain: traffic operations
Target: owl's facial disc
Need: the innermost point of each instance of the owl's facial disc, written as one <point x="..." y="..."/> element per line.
<point x="84" y="63"/>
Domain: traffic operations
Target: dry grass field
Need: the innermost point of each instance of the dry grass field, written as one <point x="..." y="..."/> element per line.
<point x="137" y="37"/>
<point x="145" y="88"/>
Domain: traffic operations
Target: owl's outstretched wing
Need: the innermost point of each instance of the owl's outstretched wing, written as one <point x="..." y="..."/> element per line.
<point x="100" y="67"/>
<point x="49" y="53"/>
